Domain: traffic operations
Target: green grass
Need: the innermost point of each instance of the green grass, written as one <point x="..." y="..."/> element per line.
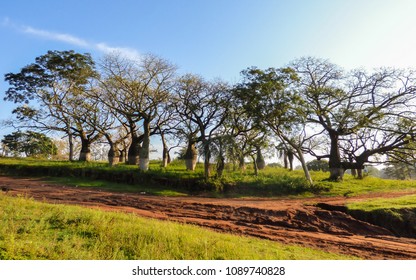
<point x="176" y="180"/>
<point x="395" y="214"/>
<point x="35" y="230"/>
<point x="407" y="201"/>
<point x="115" y="187"/>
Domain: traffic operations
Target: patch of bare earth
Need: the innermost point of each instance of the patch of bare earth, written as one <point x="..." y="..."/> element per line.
<point x="291" y="221"/>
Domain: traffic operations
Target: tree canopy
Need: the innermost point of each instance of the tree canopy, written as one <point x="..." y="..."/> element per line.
<point x="308" y="107"/>
<point x="30" y="143"/>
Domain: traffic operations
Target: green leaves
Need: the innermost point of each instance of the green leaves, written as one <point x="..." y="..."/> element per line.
<point x="30" y="143"/>
<point x="267" y="96"/>
<point x="56" y="67"/>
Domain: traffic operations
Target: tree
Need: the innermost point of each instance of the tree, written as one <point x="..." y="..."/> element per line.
<point x="287" y="154"/>
<point x="318" y="165"/>
<point x="135" y="91"/>
<point x="268" y="97"/>
<point x="32" y="144"/>
<point x="56" y="84"/>
<point x="356" y="107"/>
<point x="246" y="136"/>
<point x="202" y="107"/>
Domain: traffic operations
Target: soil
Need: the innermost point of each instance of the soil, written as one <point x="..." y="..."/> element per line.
<point x="290" y="221"/>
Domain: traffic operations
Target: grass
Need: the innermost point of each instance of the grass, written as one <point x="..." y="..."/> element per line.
<point x="395" y="214"/>
<point x="35" y="230"/>
<point x="407" y="201"/>
<point x="115" y="187"/>
<point x="176" y="180"/>
<point x="351" y="186"/>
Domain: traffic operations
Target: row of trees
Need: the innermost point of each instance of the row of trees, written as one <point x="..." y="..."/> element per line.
<point x="309" y="107"/>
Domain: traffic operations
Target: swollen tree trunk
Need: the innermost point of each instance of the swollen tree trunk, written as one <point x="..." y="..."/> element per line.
<point x="220" y="166"/>
<point x="113" y="155"/>
<point x="359" y="173"/>
<point x="290" y="157"/>
<point x="336" y="169"/>
<point x="145" y="150"/>
<point x="353" y="170"/>
<point x="261" y="164"/>
<point x="191" y="156"/>
<point x="242" y="163"/>
<point x="85" y="154"/>
<point x="122" y="155"/>
<point x="134" y="151"/>
<point x="285" y="160"/>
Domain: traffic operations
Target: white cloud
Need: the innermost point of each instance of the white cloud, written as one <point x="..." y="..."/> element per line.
<point x="127" y="52"/>
<point x="61" y="37"/>
<point x="72" y="40"/>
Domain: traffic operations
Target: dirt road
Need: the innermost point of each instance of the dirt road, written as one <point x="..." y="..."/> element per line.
<point x="294" y="221"/>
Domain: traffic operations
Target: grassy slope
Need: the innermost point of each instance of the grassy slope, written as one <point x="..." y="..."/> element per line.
<point x="396" y="214"/>
<point x="35" y="230"/>
<point x="74" y="234"/>
<point x="270" y="182"/>
<point x="406" y="201"/>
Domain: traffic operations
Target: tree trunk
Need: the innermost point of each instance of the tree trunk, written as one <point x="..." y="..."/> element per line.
<point x="336" y="170"/>
<point x="207" y="157"/>
<point x="145" y="150"/>
<point x="360" y="174"/>
<point x="134" y="151"/>
<point x="71" y="146"/>
<point x="220" y="166"/>
<point x="304" y="166"/>
<point x="336" y="174"/>
<point x="166" y="157"/>
<point x="299" y="154"/>
<point x="290" y="157"/>
<point x="113" y="155"/>
<point x="190" y="156"/>
<point x="261" y="164"/>
<point x="242" y="163"/>
<point x="353" y="170"/>
<point x="122" y="155"/>
<point x="165" y="152"/>
<point x="285" y="160"/>
<point x="256" y="169"/>
<point x="85" y="154"/>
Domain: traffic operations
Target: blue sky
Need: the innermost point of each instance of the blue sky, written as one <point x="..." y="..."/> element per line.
<point x="213" y="38"/>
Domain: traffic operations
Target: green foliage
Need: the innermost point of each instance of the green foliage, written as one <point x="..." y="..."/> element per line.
<point x="67" y="67"/>
<point x="400" y="170"/>
<point x="34" y="230"/>
<point x="32" y="144"/>
<point x="318" y="165"/>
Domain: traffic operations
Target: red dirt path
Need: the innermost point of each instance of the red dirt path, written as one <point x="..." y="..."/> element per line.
<point x="292" y="221"/>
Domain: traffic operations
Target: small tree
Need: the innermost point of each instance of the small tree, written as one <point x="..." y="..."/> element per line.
<point x="318" y="165"/>
<point x="30" y="143"/>
<point x="267" y="96"/>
